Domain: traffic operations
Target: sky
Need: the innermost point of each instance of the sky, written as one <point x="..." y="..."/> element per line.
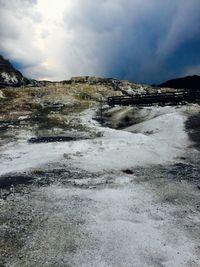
<point x="148" y="41"/>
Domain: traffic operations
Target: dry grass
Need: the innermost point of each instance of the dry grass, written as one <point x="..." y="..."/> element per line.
<point x="31" y="100"/>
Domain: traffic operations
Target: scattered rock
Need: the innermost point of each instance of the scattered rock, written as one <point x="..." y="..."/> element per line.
<point x="127" y="171"/>
<point x="183" y="158"/>
<point x="1" y="94"/>
<point x="57" y="106"/>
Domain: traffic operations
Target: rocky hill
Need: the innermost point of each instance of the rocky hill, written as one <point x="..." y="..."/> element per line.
<point x="9" y="76"/>
<point x="189" y="82"/>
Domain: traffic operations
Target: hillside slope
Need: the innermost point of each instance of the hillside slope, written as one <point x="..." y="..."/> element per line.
<point x="189" y="82"/>
<point x="9" y="76"/>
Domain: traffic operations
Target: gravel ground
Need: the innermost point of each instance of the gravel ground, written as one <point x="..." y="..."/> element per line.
<point x="65" y="215"/>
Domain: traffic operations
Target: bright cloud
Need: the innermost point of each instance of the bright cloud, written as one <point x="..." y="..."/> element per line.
<point x="140" y="40"/>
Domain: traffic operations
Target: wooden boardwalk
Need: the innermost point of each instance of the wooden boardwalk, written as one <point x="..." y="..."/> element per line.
<point x="162" y="99"/>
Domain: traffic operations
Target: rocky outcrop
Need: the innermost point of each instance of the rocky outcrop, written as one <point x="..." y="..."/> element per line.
<point x="94" y="80"/>
<point x="9" y="76"/>
<point x="126" y="87"/>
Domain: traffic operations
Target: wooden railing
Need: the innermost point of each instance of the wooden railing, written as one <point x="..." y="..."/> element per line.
<point x="174" y="98"/>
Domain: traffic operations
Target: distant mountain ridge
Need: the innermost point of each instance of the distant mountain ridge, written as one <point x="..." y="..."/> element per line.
<point x="9" y="76"/>
<point x="188" y="82"/>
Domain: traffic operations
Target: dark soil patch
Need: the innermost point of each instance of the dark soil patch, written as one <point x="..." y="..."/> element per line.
<point x="12" y="180"/>
<point x="182" y="171"/>
<point x="7" y="123"/>
<point x="43" y="177"/>
<point x="50" y="139"/>
<point x="3" y="128"/>
<point x="193" y="128"/>
<point x="176" y="172"/>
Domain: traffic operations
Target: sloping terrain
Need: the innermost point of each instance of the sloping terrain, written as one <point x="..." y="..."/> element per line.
<point x="189" y="82"/>
<point x="9" y="76"/>
<point x="77" y="193"/>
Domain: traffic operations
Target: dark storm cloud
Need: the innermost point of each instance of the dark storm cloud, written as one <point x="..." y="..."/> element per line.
<point x="138" y="39"/>
<point x="142" y="40"/>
